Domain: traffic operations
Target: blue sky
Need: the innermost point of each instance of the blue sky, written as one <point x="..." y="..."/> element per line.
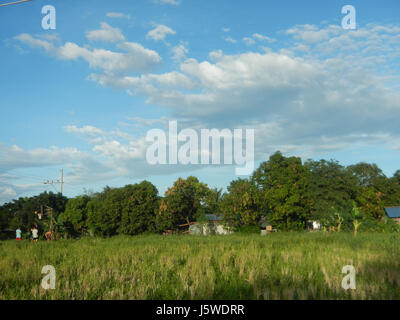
<point x="82" y="97"/>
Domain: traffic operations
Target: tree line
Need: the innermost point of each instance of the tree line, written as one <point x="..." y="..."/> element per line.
<point x="284" y="191"/>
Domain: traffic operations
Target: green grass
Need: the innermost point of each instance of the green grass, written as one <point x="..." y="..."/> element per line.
<point x="277" y="266"/>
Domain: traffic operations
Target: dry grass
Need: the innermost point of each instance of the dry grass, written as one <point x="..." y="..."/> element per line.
<point x="278" y="266"/>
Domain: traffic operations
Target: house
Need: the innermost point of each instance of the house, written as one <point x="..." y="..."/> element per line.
<point x="393" y="213"/>
<point x="265" y="226"/>
<point x="212" y="225"/>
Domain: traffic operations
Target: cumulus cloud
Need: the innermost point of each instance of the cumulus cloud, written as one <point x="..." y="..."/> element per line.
<point x="160" y="32"/>
<point x="310" y="102"/>
<point x="13" y="157"/>
<point x="261" y="37"/>
<point x="324" y="91"/>
<point x="173" y="2"/>
<point x="106" y="34"/>
<point x="118" y="15"/>
<point x="249" y="41"/>
<point x="230" y="39"/>
<point x="133" y="58"/>
<point x="179" y="52"/>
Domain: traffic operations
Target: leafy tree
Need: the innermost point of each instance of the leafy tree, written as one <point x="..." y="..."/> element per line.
<point x="74" y="218"/>
<point x="367" y="174"/>
<point x="332" y="189"/>
<point x="183" y="202"/>
<point x="139" y="211"/>
<point x="104" y="211"/>
<point x="240" y="207"/>
<point x="371" y="202"/>
<point x="283" y="183"/>
<point x="375" y="190"/>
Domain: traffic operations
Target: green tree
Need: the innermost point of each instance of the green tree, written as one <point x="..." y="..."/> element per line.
<point x="139" y="211"/>
<point x="74" y="219"/>
<point x="105" y="210"/>
<point x="240" y="206"/>
<point x="332" y="189"/>
<point x="184" y="202"/>
<point x="283" y="183"/>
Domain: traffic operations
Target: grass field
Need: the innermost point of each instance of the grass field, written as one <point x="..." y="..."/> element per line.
<point x="278" y="266"/>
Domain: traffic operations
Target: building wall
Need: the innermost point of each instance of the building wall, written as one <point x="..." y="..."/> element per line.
<point x="208" y="228"/>
<point x="397" y="220"/>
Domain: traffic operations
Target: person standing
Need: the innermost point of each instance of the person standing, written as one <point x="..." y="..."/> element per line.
<point x="35" y="234"/>
<point x="18" y="233"/>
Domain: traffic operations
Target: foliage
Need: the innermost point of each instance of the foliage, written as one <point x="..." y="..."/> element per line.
<point x="184" y="202"/>
<point x="283" y="185"/>
<point x="240" y="206"/>
<point x="282" y="190"/>
<point x="139" y="211"/>
<point x="74" y="219"/>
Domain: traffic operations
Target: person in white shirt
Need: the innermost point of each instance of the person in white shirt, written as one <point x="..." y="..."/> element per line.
<point x="35" y="234"/>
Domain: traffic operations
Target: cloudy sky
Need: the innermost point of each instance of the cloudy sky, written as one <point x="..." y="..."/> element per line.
<point x="83" y="96"/>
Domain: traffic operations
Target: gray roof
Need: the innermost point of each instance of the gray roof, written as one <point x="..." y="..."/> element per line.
<point x="393" y="212"/>
<point x="213" y="217"/>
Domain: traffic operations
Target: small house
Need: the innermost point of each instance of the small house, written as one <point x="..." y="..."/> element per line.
<point x="393" y="213"/>
<point x="212" y="225"/>
<point x="265" y="227"/>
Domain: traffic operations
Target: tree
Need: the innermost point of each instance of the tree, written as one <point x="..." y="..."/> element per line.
<point x="367" y="174"/>
<point x="240" y="206"/>
<point x="283" y="184"/>
<point x="105" y="210"/>
<point x="183" y="202"/>
<point x="139" y="211"/>
<point x="332" y="189"/>
<point x="74" y="219"/>
<point x="375" y="190"/>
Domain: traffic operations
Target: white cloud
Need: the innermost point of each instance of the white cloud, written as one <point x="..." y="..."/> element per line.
<point x="118" y="15"/>
<point x="311" y="33"/>
<point x="249" y="41"/>
<point x="307" y="102"/>
<point x="35" y="42"/>
<point x="105" y="34"/>
<point x="7" y="192"/>
<point x="231" y="40"/>
<point x="134" y="58"/>
<point x="173" y="2"/>
<point x="14" y="157"/>
<point x="215" y="55"/>
<point x="329" y="97"/>
<point x="179" y="52"/>
<point x="260" y="37"/>
<point x="160" y="32"/>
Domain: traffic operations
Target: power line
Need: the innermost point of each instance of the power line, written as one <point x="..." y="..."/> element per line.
<point x="61" y="181"/>
<point x="15" y="2"/>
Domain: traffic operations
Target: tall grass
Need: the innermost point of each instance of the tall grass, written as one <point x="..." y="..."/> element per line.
<point x="277" y="266"/>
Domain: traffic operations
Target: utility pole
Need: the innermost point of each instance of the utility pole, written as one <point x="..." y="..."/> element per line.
<point x="61" y="181"/>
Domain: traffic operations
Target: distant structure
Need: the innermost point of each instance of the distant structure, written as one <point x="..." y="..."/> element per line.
<point x="393" y="213"/>
<point x="213" y="225"/>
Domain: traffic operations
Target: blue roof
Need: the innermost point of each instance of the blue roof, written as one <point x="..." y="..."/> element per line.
<point x="393" y="212"/>
<point x="213" y="217"/>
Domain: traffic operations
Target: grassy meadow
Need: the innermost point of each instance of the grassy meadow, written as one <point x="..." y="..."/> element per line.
<point x="277" y="266"/>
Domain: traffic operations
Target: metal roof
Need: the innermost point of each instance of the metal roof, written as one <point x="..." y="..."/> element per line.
<point x="213" y="217"/>
<point x="393" y="212"/>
